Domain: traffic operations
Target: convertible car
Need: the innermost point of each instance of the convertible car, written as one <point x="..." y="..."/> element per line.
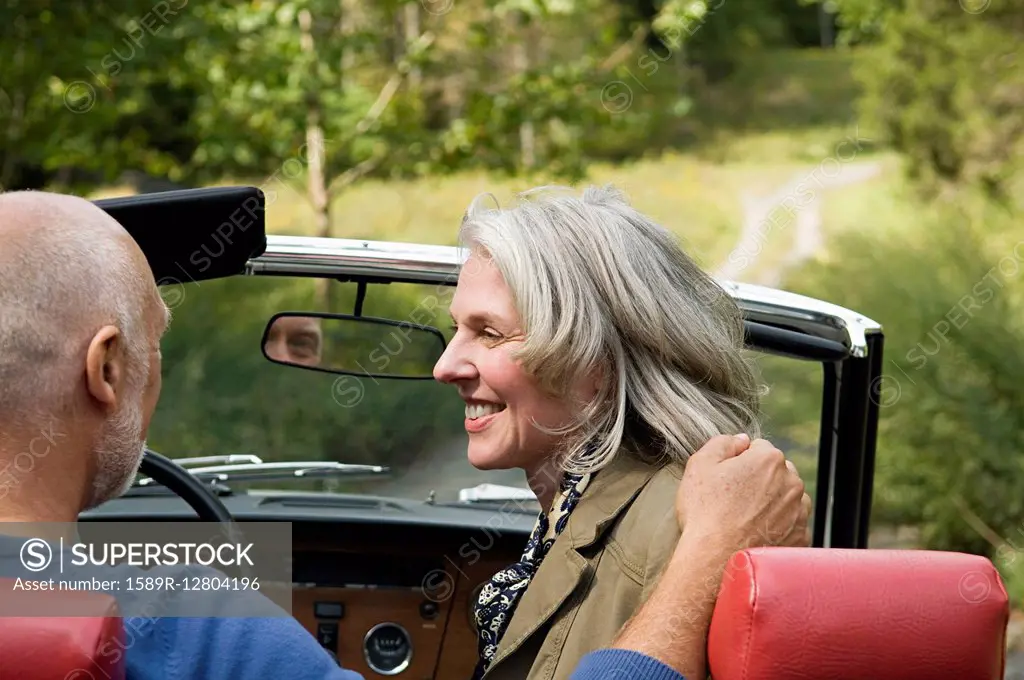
<point x="393" y="531"/>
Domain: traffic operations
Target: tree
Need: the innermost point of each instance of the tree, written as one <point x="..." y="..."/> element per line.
<point x="78" y="85"/>
<point x="359" y="98"/>
<point x="946" y="88"/>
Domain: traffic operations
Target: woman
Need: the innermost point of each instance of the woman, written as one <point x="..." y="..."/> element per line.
<point x="595" y="355"/>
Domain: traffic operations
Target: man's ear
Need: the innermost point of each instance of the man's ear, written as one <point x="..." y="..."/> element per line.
<point x="104" y="365"/>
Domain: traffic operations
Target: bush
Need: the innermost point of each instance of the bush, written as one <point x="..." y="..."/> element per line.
<point x="948" y="293"/>
<point x="946" y="89"/>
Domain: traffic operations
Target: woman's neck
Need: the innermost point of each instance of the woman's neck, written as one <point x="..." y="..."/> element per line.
<point x="545" y="479"/>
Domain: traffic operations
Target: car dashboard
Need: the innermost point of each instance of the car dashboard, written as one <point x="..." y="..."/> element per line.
<point x="384" y="584"/>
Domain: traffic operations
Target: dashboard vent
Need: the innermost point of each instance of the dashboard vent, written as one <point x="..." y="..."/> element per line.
<point x="321" y="501"/>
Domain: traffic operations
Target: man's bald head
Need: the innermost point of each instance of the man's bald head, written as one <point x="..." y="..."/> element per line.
<point x="67" y="272"/>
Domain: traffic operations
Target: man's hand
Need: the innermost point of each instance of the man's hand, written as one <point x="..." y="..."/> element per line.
<point x="740" y="494"/>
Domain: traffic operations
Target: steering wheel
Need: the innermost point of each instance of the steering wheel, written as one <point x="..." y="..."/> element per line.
<point x="179" y="481"/>
<point x="163" y="470"/>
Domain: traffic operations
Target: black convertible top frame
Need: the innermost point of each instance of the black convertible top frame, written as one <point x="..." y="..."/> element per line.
<point x="194" y="235"/>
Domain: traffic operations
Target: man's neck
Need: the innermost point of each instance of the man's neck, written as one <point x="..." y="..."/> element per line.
<point x="32" y="500"/>
<point x="29" y="501"/>
<point x="42" y="473"/>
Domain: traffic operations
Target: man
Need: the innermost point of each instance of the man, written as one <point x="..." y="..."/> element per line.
<point x="80" y="325"/>
<point x="295" y="340"/>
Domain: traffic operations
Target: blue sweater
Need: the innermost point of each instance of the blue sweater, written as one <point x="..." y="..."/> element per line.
<point x="280" y="649"/>
<point x="248" y="636"/>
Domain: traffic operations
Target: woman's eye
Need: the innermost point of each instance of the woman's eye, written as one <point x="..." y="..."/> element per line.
<point x="485" y="332"/>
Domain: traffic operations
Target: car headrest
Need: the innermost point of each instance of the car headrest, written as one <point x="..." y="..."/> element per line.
<point x="88" y="645"/>
<point x="828" y="613"/>
<point x="194" y="234"/>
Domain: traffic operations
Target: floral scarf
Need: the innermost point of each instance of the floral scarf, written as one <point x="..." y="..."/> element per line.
<point x="498" y="598"/>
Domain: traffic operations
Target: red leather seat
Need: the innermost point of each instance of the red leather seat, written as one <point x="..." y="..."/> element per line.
<point x="832" y="614"/>
<point x="86" y="646"/>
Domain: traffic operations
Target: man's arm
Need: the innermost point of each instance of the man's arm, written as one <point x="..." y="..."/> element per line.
<point x="667" y="637"/>
<point x="734" y="494"/>
<point x="672" y="625"/>
<point x="256" y="649"/>
<point x="622" y="664"/>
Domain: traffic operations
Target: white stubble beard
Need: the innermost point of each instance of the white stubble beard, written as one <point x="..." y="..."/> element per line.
<point x="119" y="453"/>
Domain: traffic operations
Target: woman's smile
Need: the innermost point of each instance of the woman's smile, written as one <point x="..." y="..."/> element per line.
<point x="480" y="416"/>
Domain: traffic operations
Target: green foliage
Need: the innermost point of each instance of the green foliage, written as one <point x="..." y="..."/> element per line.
<point x="791" y="90"/>
<point x="948" y="293"/>
<point x="946" y="89"/>
<point x="262" y="87"/>
<point x="1010" y="563"/>
<point x="77" y="85"/>
<point x="861" y="20"/>
<point x="267" y="79"/>
<point x="195" y="92"/>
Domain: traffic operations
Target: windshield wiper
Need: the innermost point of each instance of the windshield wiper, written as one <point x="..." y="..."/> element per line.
<point x="241" y="472"/>
<point x="232" y="459"/>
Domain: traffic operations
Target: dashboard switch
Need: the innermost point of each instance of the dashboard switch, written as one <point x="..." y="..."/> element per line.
<point x="329" y="610"/>
<point x="428" y="610"/>
<point x="327" y="636"/>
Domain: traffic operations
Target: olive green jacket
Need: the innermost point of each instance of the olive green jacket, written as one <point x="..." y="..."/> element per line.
<point x="597" y="573"/>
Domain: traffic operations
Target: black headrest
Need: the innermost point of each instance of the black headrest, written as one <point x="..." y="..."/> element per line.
<point x="194" y="234"/>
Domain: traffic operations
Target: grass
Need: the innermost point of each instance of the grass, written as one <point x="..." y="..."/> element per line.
<point x="875" y="204"/>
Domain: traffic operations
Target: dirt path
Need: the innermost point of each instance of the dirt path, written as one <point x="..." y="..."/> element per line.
<point x="795" y="207"/>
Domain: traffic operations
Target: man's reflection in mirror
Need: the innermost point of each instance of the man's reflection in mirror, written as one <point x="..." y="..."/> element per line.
<point x="295" y="340"/>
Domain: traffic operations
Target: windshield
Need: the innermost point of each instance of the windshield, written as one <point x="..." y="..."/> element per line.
<point x="221" y="395"/>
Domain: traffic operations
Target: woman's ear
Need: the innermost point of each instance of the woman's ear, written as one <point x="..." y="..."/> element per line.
<point x="591" y="385"/>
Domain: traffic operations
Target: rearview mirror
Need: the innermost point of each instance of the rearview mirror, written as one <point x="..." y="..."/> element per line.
<point x="353" y="345"/>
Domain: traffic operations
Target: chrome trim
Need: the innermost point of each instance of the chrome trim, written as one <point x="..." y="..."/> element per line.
<point x="495" y="492"/>
<point x="417" y="263"/>
<point x="289" y="466"/>
<point x="338" y="257"/>
<point x="809" y="315"/>
<point x="366" y="653"/>
<point x="276" y="470"/>
<point x="231" y="459"/>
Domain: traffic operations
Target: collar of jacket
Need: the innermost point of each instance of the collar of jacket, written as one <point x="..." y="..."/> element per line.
<point x="609" y="494"/>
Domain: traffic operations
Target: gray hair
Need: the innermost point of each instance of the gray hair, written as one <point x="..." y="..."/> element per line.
<point x="60" y="281"/>
<point x="599" y="286"/>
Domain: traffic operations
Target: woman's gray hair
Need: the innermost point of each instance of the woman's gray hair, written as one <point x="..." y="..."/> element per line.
<point x="600" y="286"/>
